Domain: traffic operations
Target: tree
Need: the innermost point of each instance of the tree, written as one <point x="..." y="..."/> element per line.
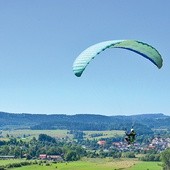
<point x="46" y="138"/>
<point x="128" y="155"/>
<point x="17" y="152"/>
<point x="150" y="157"/>
<point x="4" y="150"/>
<point x="71" y="156"/>
<point x="116" y="155"/>
<point x="53" y="150"/>
<point x="32" y="151"/>
<point x="165" y="159"/>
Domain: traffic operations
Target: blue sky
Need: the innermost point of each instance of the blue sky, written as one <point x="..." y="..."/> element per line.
<point x="40" y="39"/>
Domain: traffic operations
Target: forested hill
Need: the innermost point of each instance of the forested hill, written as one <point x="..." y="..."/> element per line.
<point x="82" y="121"/>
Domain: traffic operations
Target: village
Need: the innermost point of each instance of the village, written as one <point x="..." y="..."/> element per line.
<point x="158" y="144"/>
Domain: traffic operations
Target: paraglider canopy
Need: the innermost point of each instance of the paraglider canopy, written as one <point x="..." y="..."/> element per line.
<point x="141" y="48"/>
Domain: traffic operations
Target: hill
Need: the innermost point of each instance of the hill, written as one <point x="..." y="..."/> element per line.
<point x="146" y="122"/>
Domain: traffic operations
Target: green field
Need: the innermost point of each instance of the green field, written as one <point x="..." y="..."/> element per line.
<point x="92" y="164"/>
<point x="146" y="166"/>
<point x="10" y="161"/>
<point x="29" y="134"/>
<point x="106" y="134"/>
<point x="95" y="166"/>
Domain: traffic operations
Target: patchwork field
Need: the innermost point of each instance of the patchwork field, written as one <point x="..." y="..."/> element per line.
<point x="28" y="134"/>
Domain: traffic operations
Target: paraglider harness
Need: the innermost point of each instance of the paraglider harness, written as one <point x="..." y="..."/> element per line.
<point x="130" y="137"/>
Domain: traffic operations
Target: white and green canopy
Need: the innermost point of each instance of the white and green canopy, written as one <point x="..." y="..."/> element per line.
<point x="141" y="48"/>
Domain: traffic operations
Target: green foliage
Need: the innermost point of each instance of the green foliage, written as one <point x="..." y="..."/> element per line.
<point x="46" y="138"/>
<point x="77" y="134"/>
<point x="143" y="123"/>
<point x="150" y="157"/>
<point x="53" y="150"/>
<point x="2" y="168"/>
<point x="47" y="164"/>
<point x="128" y="155"/>
<point x="71" y="156"/>
<point x="15" y="165"/>
<point x="165" y="157"/>
<point x="116" y="155"/>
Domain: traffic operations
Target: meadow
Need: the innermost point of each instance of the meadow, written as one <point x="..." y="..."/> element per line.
<point x="27" y="134"/>
<point x="10" y="161"/>
<point x="105" y="134"/>
<point x="146" y="166"/>
<point x="93" y="164"/>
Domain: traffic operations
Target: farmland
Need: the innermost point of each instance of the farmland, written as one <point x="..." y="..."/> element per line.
<point x="28" y="134"/>
<point x="10" y="161"/>
<point x="94" y="164"/>
<point x="34" y="133"/>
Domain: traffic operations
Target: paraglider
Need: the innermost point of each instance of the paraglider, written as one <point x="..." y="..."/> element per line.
<point x="141" y="48"/>
<point x="130" y="137"/>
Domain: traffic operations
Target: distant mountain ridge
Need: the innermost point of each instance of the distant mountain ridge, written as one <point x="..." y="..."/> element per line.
<point x="82" y="121"/>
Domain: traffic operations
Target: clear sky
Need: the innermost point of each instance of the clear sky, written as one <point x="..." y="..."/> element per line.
<point x="40" y="39"/>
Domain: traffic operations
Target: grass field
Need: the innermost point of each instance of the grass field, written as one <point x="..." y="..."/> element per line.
<point x="29" y="134"/>
<point x="34" y="133"/>
<point x="94" y="164"/>
<point x="106" y="134"/>
<point x="146" y="166"/>
<point x="9" y="161"/>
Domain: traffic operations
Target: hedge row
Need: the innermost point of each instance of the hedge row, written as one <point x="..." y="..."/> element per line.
<point x="15" y="165"/>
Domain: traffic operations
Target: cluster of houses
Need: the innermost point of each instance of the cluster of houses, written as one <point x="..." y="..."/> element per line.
<point x="157" y="143"/>
<point x="160" y="143"/>
<point x="56" y="158"/>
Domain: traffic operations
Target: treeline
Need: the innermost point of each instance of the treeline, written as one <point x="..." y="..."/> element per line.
<point x="68" y="150"/>
<point x="165" y="159"/>
<point x="150" y="157"/>
<point x="143" y="123"/>
<point x="45" y="144"/>
<point x="17" y="165"/>
<point x="95" y="126"/>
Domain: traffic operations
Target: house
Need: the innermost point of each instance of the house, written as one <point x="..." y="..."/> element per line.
<point x="57" y="158"/>
<point x="43" y="156"/>
<point x="101" y="142"/>
<point x="117" y="144"/>
<point x="151" y="146"/>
